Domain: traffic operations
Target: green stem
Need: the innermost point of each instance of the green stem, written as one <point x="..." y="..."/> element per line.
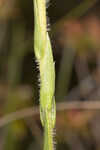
<point x="48" y="136"/>
<point x="40" y="28"/>
<point x="43" y="53"/>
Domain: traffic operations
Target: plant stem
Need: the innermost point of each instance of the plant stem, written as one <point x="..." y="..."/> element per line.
<point x="43" y="53"/>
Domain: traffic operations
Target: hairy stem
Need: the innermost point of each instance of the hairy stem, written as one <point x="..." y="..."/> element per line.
<point x="43" y="53"/>
<point x="48" y="136"/>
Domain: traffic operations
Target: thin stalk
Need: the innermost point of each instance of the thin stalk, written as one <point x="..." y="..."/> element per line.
<point x="48" y="136"/>
<point x="43" y="53"/>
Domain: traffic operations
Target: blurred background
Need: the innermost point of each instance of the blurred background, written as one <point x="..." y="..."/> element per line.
<point x="75" y="37"/>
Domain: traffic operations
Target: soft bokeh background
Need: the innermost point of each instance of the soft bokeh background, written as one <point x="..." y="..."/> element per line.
<point x="75" y="37"/>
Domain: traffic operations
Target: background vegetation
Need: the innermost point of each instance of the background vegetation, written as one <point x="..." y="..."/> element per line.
<point x="75" y="43"/>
